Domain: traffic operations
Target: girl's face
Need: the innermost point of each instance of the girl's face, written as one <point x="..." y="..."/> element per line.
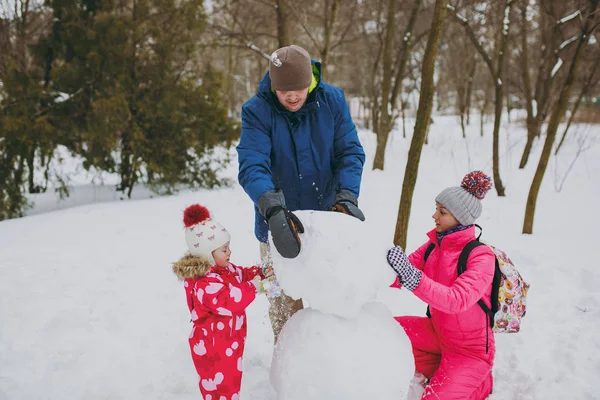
<point x="221" y="255"/>
<point x="443" y="219"/>
<point x="292" y="100"/>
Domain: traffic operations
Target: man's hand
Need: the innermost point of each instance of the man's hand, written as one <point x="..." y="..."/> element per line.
<point x="345" y="202"/>
<point x="285" y="227"/>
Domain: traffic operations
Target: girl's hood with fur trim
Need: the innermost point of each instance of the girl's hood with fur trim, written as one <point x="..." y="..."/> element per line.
<point x="190" y="266"/>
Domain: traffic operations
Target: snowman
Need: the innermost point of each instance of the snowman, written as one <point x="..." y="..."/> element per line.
<point x="342" y="345"/>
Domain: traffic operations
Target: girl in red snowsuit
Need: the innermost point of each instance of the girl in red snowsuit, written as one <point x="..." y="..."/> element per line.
<point x="454" y="349"/>
<point x="217" y="293"/>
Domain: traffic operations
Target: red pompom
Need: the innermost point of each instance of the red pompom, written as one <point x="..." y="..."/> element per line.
<point x="477" y="183"/>
<point x="195" y="214"/>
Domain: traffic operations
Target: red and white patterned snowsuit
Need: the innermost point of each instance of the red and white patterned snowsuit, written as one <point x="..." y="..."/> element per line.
<point x="455" y="347"/>
<point x="217" y="304"/>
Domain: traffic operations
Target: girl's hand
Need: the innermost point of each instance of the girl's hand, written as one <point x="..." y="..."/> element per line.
<point x="408" y="274"/>
<point x="258" y="285"/>
<point x="267" y="271"/>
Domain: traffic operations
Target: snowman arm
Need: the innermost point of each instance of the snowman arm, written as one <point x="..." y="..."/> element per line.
<point x="224" y="298"/>
<point x="466" y="290"/>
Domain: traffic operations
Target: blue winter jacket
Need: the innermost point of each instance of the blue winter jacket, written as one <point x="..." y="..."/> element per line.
<point x="309" y="154"/>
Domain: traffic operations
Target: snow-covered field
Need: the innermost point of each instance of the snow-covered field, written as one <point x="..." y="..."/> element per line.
<point x="89" y="307"/>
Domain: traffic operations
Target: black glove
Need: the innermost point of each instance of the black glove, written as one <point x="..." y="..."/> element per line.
<point x="285" y="227"/>
<point x="347" y="203"/>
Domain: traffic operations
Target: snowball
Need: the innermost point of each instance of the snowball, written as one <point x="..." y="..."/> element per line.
<point x="341" y="266"/>
<point x="321" y="356"/>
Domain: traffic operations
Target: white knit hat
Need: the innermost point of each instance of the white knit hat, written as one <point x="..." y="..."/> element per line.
<point x="203" y="235"/>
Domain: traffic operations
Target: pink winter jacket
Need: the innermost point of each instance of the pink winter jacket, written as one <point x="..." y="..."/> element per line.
<point x="457" y="318"/>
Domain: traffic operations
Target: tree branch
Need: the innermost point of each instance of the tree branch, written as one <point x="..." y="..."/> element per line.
<point x="471" y="33"/>
<point x="303" y="25"/>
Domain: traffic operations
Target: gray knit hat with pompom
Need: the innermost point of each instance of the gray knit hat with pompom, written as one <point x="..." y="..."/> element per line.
<point x="464" y="201"/>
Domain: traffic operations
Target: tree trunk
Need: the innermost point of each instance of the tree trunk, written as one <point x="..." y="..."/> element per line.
<point x="125" y="170"/>
<point x="427" y="93"/>
<point x="481" y="121"/>
<point x="385" y="117"/>
<point x="403" y="105"/>
<point x="498" y="108"/>
<point x="228" y="78"/>
<point x="587" y="86"/>
<point x="532" y="132"/>
<point x="497" y="76"/>
<point x="557" y="114"/>
<point x="330" y="20"/>
<point x="508" y="107"/>
<point x="462" y="106"/>
<point x="496" y="139"/>
<point x="575" y="109"/>
<point x="375" y="116"/>
<point x="483" y="110"/>
<point x="283" y="38"/>
<point x="404" y="55"/>
<point x="532" y="125"/>
<point x="31" y="169"/>
<point x="470" y="90"/>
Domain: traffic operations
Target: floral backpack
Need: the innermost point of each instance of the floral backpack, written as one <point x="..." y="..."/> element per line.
<point x="509" y="289"/>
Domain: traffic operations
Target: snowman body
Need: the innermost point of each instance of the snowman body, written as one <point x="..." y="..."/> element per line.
<point x="343" y="345"/>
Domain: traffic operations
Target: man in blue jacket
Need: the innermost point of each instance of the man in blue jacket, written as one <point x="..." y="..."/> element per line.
<point x="299" y="150"/>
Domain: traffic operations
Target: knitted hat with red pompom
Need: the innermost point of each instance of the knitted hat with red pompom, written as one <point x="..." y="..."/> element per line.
<point x="464" y="201"/>
<point x="203" y="234"/>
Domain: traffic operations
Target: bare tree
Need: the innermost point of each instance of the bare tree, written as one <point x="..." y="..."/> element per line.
<point x="591" y="23"/>
<point x="542" y="28"/>
<point x="458" y="66"/>
<point x="392" y="82"/>
<point x="589" y="82"/>
<point x="496" y="72"/>
<point x="422" y="122"/>
<point x="327" y="25"/>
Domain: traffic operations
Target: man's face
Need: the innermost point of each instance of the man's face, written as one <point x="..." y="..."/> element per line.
<point x="292" y="100"/>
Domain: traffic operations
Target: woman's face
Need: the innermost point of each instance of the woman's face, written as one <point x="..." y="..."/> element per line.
<point x="444" y="220"/>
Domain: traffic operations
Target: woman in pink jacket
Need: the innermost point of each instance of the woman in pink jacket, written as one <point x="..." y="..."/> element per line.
<point x="454" y="349"/>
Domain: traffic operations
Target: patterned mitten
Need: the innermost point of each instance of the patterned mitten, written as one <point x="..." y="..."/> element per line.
<point x="409" y="275"/>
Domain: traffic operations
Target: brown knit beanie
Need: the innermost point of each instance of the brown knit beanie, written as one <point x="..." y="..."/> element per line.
<point x="290" y="69"/>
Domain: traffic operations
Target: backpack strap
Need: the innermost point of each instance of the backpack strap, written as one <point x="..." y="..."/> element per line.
<point x="428" y="251"/>
<point x="462" y="267"/>
<point x="480" y="231"/>
<point x="425" y="257"/>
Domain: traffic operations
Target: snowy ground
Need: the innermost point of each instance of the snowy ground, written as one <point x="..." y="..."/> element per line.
<point x="89" y="307"/>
